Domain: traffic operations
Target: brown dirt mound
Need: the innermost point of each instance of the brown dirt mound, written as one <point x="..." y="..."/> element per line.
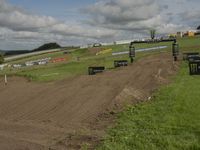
<point x="67" y="113"/>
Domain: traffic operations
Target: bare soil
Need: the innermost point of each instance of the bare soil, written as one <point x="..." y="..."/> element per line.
<point x="66" y="114"/>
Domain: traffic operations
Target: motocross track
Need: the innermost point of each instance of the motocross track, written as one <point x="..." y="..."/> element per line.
<point x="64" y="114"/>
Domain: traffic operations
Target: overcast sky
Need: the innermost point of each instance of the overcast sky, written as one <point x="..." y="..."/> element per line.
<point x="27" y="24"/>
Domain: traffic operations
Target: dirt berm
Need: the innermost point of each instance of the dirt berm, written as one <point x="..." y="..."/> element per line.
<point x="64" y="114"/>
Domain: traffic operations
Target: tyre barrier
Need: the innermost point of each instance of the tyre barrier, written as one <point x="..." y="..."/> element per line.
<point x="120" y="63"/>
<point x="193" y="58"/>
<point x="187" y="56"/>
<point x="95" y="70"/>
<point x="194" y="67"/>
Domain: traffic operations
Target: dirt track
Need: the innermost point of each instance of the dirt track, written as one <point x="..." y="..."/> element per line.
<point x="63" y="114"/>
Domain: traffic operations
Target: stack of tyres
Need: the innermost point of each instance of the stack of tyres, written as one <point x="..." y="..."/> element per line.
<point x="189" y="55"/>
<point x="95" y="70"/>
<point x="193" y="58"/>
<point x="194" y="63"/>
<point x="194" y="67"/>
<point x="120" y="63"/>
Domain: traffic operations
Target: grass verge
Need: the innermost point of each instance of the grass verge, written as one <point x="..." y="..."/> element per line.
<point x="170" y="121"/>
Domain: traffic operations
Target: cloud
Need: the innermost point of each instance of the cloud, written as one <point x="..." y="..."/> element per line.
<point x="122" y="11"/>
<point x="104" y="21"/>
<point x="131" y="15"/>
<point x="81" y="31"/>
<point x="24" y="25"/>
<point x="16" y="19"/>
<point x="190" y="15"/>
<point x="29" y="40"/>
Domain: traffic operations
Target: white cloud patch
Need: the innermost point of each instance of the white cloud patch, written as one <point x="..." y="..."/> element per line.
<point x="16" y="19"/>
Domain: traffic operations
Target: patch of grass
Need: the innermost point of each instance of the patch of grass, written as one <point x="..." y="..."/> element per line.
<point x="60" y="71"/>
<point x="53" y="72"/>
<point x="170" y="121"/>
<point x="190" y="44"/>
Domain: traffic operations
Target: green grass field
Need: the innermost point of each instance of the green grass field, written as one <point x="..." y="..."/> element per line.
<point x="73" y="67"/>
<point x="170" y="121"/>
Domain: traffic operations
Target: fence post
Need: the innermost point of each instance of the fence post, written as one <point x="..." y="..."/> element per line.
<point x="6" y="81"/>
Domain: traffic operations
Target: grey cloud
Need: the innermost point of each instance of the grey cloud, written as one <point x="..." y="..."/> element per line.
<point x="190" y="18"/>
<point x="128" y="15"/>
<point x="121" y="12"/>
<point x="165" y="6"/>
<point x="190" y="15"/>
<point x="134" y="15"/>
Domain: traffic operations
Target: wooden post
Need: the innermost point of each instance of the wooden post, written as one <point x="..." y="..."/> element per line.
<point x="6" y="81"/>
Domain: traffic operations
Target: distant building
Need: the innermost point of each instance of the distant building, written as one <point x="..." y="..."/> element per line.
<point x="191" y="33"/>
<point x="180" y="34"/>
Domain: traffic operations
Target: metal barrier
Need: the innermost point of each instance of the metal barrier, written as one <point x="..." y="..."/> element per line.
<point x="95" y="70"/>
<point x="175" y="47"/>
<point x="194" y="67"/>
<point x="194" y="58"/>
<point x="120" y="63"/>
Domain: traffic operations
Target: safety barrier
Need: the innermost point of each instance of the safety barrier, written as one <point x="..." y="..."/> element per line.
<point x="120" y="63"/>
<point x="95" y="70"/>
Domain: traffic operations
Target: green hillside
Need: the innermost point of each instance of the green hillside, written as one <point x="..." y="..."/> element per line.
<point x="86" y="57"/>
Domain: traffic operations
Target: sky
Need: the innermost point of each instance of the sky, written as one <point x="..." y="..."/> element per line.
<point x="27" y="24"/>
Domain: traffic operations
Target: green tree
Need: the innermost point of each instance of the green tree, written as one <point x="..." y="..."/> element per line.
<point x="153" y="33"/>
<point x="1" y="59"/>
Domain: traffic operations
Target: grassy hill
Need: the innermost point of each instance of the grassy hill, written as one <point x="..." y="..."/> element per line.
<point x="41" y="48"/>
<point x="47" y="47"/>
<point x="73" y="67"/>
